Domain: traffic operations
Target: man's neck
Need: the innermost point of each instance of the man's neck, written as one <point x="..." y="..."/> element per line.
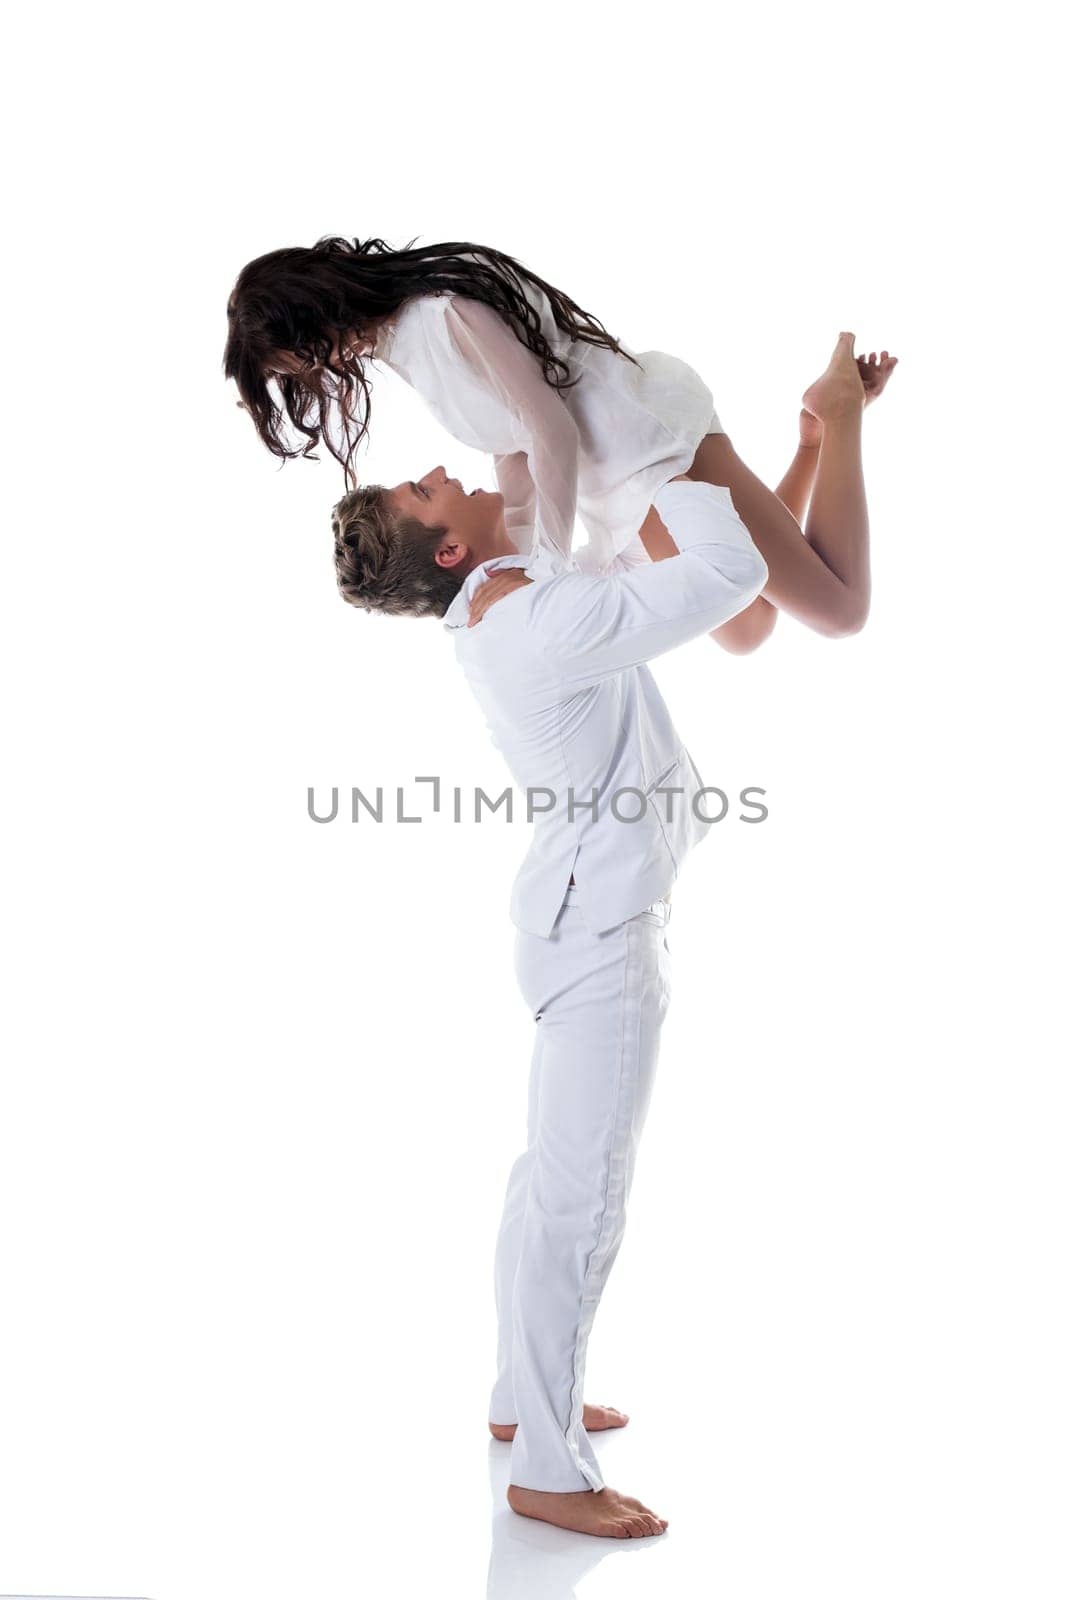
<point x="490" y="550"/>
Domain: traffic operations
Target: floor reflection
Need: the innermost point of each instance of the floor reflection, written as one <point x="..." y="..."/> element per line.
<point x="534" y="1561"/>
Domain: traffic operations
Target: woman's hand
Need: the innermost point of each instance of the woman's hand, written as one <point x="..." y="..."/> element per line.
<point x="494" y="589"/>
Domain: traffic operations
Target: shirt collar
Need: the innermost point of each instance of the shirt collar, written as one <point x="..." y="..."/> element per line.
<point x="542" y="562"/>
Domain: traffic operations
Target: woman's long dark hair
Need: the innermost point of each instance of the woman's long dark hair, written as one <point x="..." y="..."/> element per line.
<point x="301" y="300"/>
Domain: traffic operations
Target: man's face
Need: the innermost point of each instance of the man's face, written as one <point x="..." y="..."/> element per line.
<point x="475" y="520"/>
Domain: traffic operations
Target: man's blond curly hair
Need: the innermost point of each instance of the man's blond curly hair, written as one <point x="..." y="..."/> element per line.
<point x="386" y="562"/>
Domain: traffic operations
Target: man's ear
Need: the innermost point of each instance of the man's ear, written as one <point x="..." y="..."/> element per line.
<point x="450" y="552"/>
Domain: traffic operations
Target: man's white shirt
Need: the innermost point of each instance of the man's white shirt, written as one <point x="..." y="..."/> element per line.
<point x="559" y="669"/>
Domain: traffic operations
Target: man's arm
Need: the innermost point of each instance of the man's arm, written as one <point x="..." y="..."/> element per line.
<point x="593" y="626"/>
<point x="744" y="632"/>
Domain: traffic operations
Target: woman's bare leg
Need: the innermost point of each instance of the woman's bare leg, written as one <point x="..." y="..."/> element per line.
<point x="821" y="574"/>
<point x="754" y="626"/>
<point x="795" y="488"/>
<point x="823" y="578"/>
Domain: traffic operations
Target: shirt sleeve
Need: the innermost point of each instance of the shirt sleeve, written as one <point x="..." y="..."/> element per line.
<point x="520" y="498"/>
<point x="630" y="556"/>
<point x="592" y="626"/>
<point x="543" y="470"/>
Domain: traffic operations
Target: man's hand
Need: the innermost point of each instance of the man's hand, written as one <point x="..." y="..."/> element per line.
<point x="494" y="589"/>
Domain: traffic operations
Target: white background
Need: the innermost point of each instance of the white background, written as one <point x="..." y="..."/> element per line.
<point x="264" y="1079"/>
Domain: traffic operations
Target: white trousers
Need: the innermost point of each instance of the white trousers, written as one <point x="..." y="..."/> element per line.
<point x="598" y="1001"/>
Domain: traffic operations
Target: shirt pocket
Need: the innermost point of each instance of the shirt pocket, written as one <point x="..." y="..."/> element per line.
<point x="666" y="806"/>
<point x="663" y="776"/>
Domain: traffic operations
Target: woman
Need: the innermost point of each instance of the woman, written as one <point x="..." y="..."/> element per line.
<point x="576" y="422"/>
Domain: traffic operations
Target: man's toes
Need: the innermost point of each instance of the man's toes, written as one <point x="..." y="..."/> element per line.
<point x="599" y="1417"/>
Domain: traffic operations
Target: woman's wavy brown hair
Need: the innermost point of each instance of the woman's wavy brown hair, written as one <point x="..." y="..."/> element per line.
<point x="303" y="299"/>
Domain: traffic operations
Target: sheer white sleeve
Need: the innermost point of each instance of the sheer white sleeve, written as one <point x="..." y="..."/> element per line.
<point x="545" y="435"/>
<point x="520" y="498"/>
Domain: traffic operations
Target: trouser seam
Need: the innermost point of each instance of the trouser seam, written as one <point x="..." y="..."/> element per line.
<point x="581" y="1341"/>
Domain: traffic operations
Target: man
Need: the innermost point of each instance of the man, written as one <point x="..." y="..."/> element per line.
<point x="557" y="659"/>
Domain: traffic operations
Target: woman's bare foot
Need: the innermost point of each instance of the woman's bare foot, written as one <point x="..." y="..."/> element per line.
<point x="874" y="375"/>
<point x="839" y="391"/>
<point x="595" y="1419"/>
<point x="810" y="431"/>
<point x="605" y="1512"/>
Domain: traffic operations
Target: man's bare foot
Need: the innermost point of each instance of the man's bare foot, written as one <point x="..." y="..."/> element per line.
<point x="874" y="375"/>
<point x="605" y="1512"/>
<point x="595" y="1418"/>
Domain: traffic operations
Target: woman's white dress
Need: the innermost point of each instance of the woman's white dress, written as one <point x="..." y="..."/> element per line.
<point x="598" y="451"/>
